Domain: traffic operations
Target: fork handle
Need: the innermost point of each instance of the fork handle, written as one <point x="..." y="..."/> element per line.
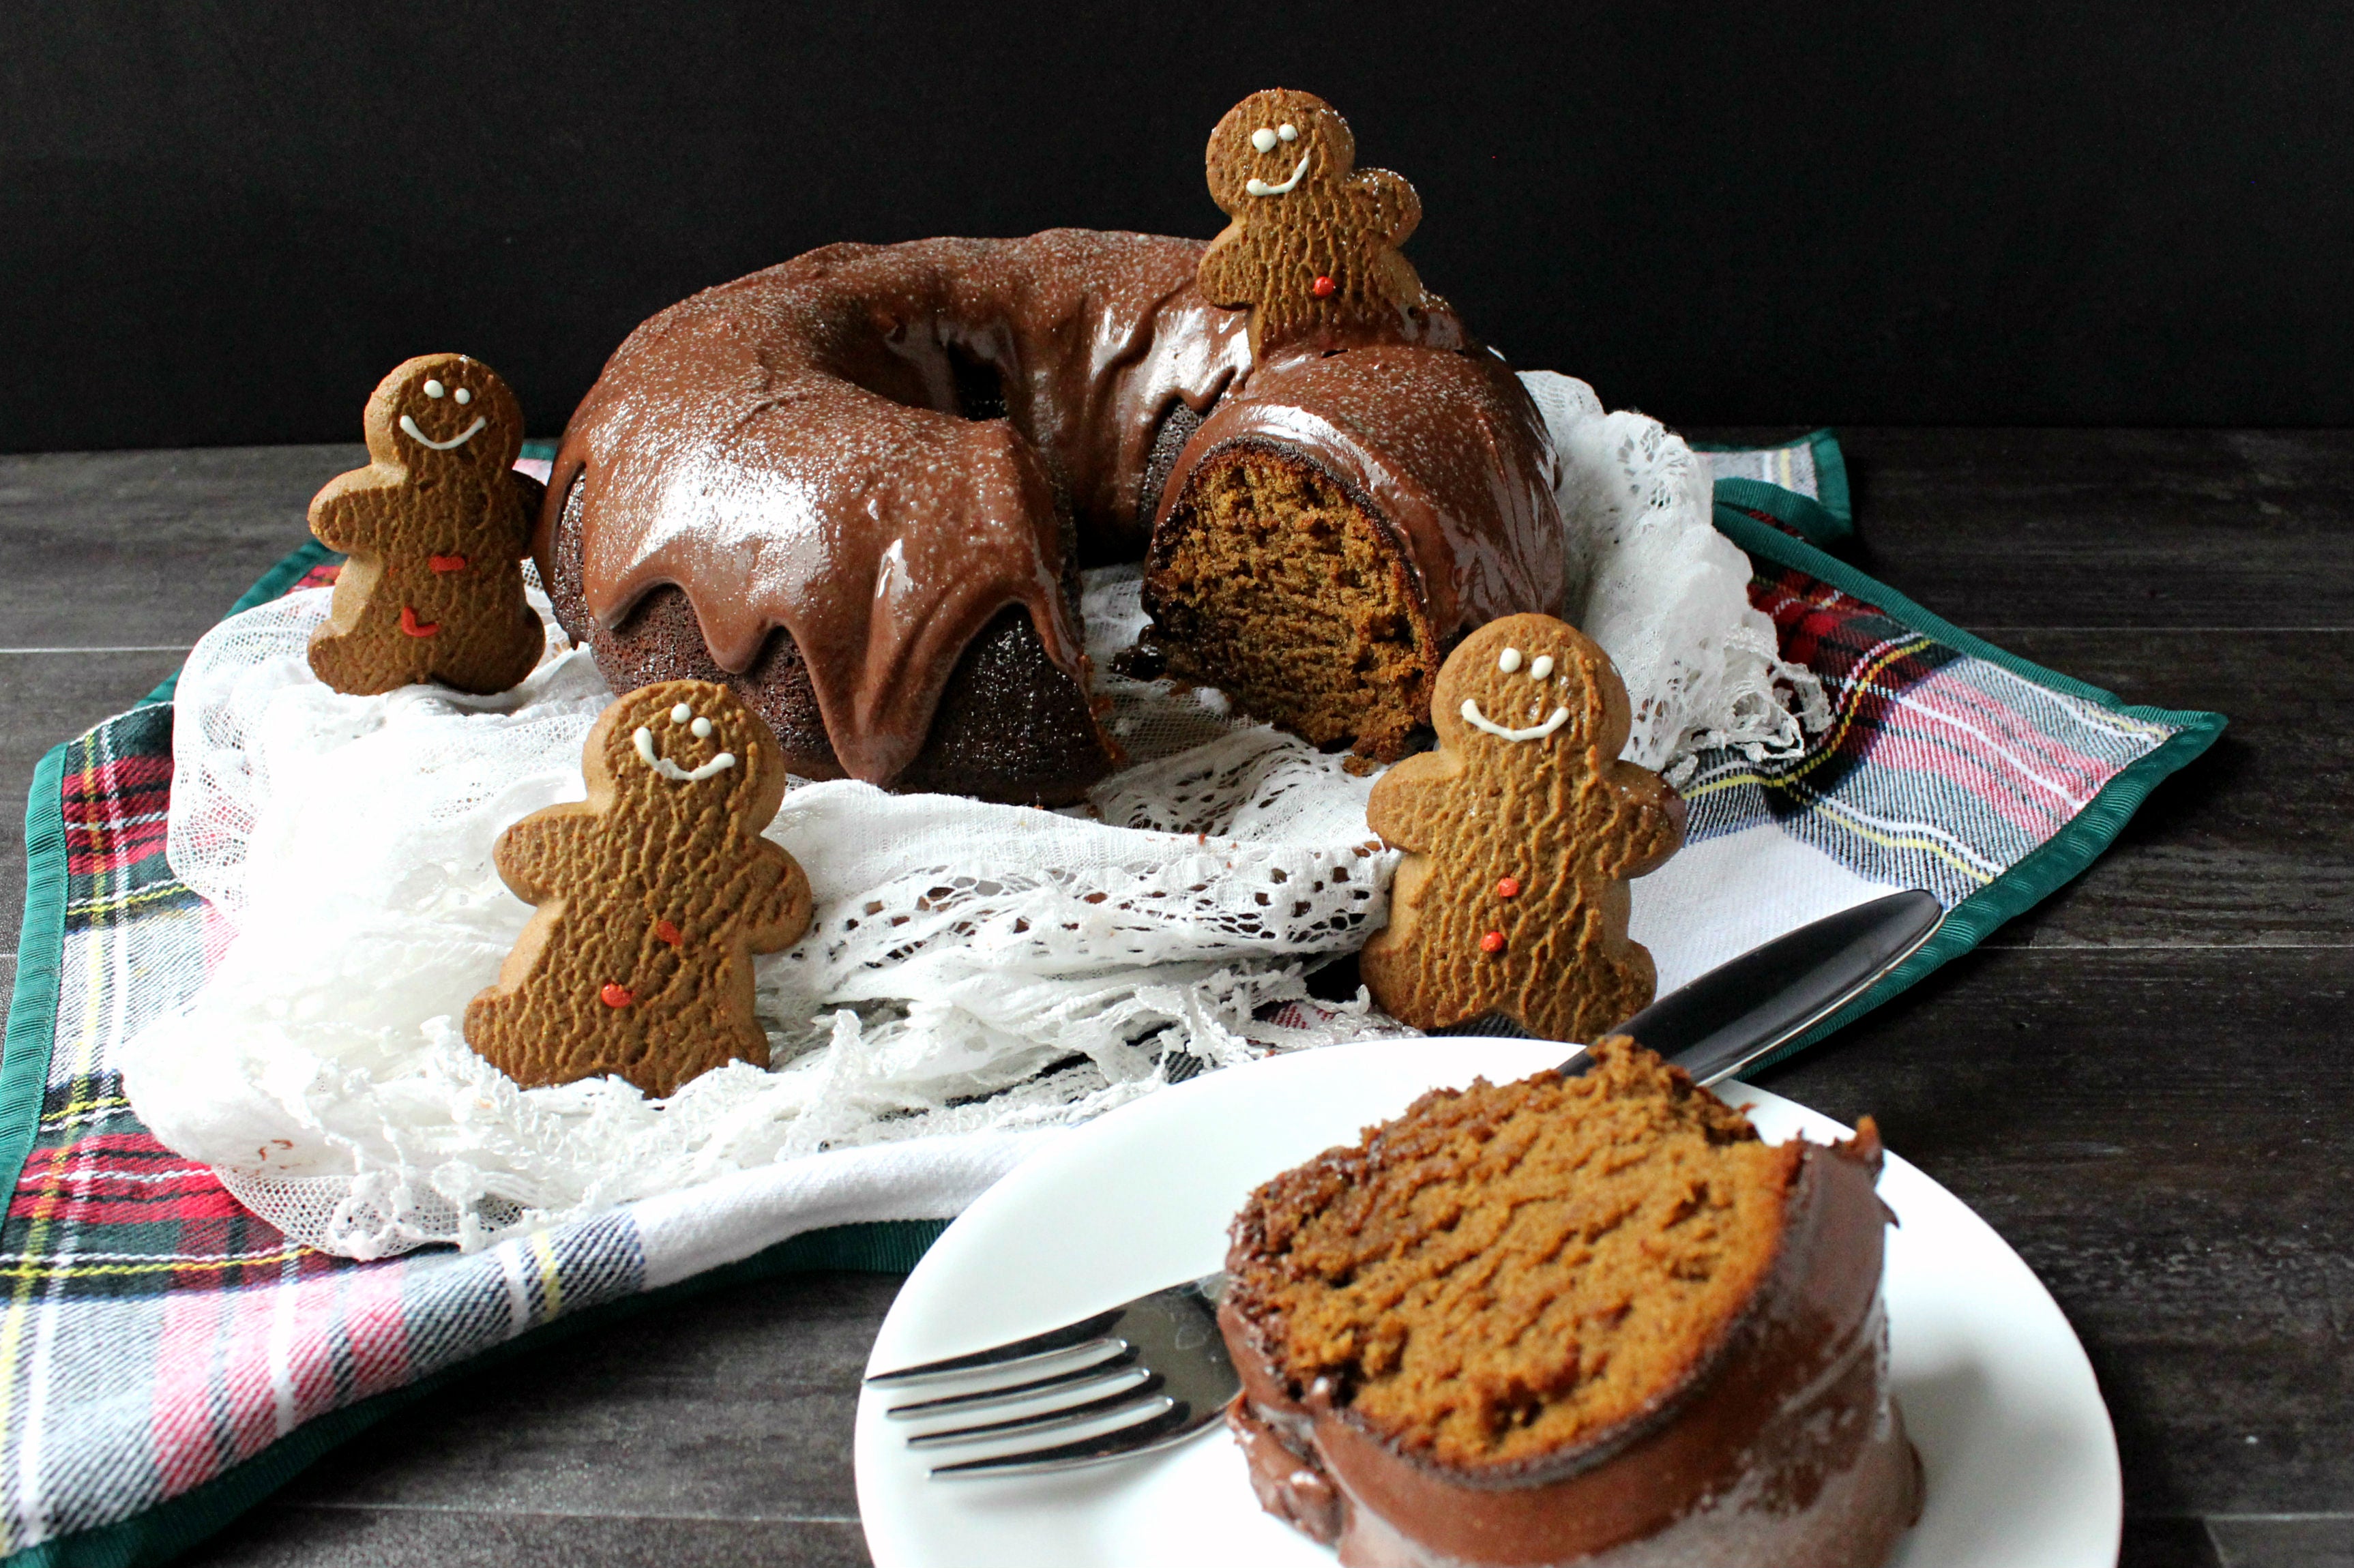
<point x="1742" y="1009"/>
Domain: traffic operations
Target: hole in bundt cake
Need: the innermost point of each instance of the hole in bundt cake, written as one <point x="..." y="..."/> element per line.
<point x="1177" y="427"/>
<point x="1112" y="543"/>
<point x="980" y="388"/>
<point x="1275" y="585"/>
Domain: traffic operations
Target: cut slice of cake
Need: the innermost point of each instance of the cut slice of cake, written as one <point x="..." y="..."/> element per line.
<point x="1339" y="522"/>
<point x="1284" y="590"/>
<point x="1585" y="1319"/>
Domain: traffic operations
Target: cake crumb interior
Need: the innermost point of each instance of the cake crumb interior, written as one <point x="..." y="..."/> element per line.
<point x="1281" y="591"/>
<point x="1504" y="1271"/>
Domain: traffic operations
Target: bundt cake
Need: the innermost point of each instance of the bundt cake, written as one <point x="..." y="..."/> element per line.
<point x="858" y="488"/>
<point x="1588" y="1320"/>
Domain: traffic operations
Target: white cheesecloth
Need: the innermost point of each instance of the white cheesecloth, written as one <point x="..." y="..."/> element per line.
<point x="971" y="969"/>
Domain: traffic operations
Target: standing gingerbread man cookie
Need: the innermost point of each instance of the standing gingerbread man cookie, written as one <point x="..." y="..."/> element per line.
<point x="438" y="526"/>
<point x="1312" y="249"/>
<point x="1523" y="830"/>
<point x="653" y="896"/>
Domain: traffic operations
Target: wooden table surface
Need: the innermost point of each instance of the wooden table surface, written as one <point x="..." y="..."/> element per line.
<point x="2140" y="1083"/>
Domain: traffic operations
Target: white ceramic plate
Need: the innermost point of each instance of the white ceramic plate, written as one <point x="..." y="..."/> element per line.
<point x="2022" y="1464"/>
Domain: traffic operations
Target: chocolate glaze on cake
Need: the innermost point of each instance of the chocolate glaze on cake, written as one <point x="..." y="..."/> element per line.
<point x="1780" y="1445"/>
<point x="791" y="455"/>
<point x="858" y="487"/>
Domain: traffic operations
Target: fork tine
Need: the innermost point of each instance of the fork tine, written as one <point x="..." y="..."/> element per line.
<point x="1006" y="1393"/>
<point x="1144" y="1388"/>
<point x="1067" y="1337"/>
<point x="1168" y="1341"/>
<point x="1101" y="1348"/>
<point x="1171" y="1426"/>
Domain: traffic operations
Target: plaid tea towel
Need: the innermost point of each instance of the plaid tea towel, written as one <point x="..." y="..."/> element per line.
<point x="167" y="1358"/>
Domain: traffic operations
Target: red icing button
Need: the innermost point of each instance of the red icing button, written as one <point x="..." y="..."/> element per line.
<point x="446" y="563"/>
<point x="1493" y="942"/>
<point x="1322" y="288"/>
<point x="667" y="932"/>
<point x="1509" y="889"/>
<point x="616" y="994"/>
<point x="414" y="627"/>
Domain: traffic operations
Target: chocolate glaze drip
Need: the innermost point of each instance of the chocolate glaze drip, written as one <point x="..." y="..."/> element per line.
<point x="1784" y="1446"/>
<point x="790" y="450"/>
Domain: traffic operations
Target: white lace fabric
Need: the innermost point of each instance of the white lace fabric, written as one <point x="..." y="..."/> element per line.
<point x="972" y="968"/>
<point x="1665" y="594"/>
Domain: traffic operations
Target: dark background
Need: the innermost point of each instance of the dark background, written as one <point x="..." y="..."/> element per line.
<point x="221" y="224"/>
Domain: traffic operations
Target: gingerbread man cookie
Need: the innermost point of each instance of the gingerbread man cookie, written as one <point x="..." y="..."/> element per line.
<point x="653" y="896"/>
<point x="437" y="526"/>
<point x="1524" y="828"/>
<point x="1312" y="249"/>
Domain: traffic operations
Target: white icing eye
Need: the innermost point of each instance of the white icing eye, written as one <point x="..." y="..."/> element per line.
<point x="433" y="389"/>
<point x="1509" y="660"/>
<point x="463" y="397"/>
<point x="1289" y="132"/>
<point x="681" y="713"/>
<point x="702" y="728"/>
<point x="1263" y="139"/>
<point x="1542" y="668"/>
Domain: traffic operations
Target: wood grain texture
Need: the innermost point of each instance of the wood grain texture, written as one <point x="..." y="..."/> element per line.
<point x="109" y="549"/>
<point x="2249" y="845"/>
<point x="2152" y="1543"/>
<point x="2147" y="528"/>
<point x="737" y="1406"/>
<point x="283" y="1536"/>
<point x="2157" y="1133"/>
<point x="2136" y="1084"/>
<point x="2291" y="1540"/>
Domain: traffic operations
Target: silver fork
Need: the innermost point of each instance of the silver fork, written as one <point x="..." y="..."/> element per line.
<point x="1158" y="1360"/>
<point x="1152" y="1372"/>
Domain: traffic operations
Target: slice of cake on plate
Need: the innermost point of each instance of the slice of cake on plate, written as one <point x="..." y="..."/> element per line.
<point x="1585" y="1319"/>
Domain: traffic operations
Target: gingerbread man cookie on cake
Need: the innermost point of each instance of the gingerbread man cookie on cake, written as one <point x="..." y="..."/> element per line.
<point x="1312" y="249"/>
<point x="653" y="896"/>
<point x="1522" y="830"/>
<point x="437" y="526"/>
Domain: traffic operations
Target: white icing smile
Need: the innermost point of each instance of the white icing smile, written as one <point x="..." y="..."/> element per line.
<point x="672" y="770"/>
<point x="1472" y="715"/>
<point x="409" y="427"/>
<point x="1260" y="187"/>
